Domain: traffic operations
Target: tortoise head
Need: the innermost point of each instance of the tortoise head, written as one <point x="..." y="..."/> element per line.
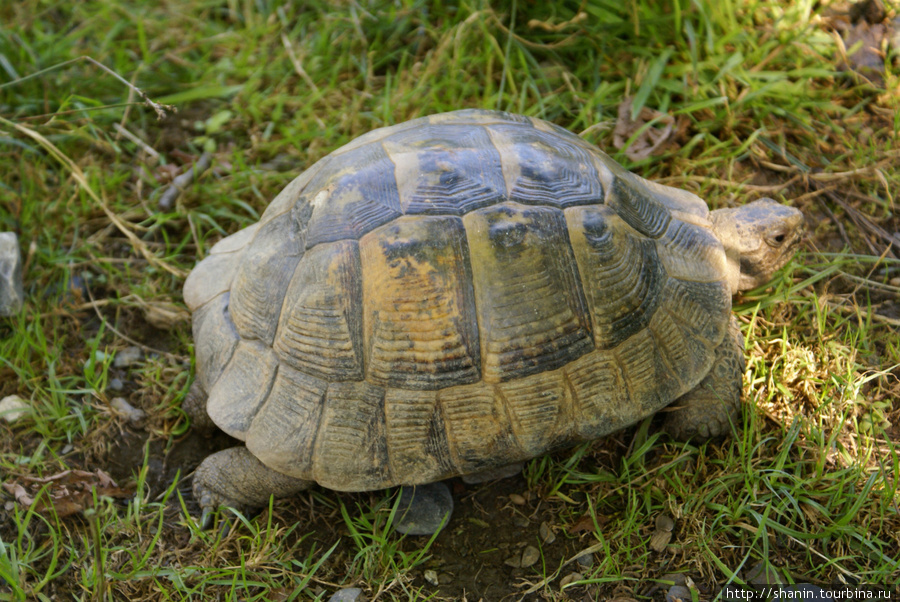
<point x="759" y="239"/>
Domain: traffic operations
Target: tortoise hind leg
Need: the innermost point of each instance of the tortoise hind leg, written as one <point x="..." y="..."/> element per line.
<point x="234" y="477"/>
<point x="712" y="408"/>
<point x="194" y="405"/>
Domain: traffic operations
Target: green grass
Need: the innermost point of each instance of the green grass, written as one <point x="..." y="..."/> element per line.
<point x="761" y="109"/>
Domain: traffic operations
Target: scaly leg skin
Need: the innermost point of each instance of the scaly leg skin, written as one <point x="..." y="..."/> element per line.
<point x="234" y="477"/>
<point x="713" y="408"/>
<point x="194" y="405"/>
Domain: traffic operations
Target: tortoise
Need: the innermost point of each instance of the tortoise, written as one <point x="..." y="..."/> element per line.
<point x="463" y="292"/>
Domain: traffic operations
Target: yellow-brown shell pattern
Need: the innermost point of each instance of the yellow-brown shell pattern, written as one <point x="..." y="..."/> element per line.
<point x="452" y="294"/>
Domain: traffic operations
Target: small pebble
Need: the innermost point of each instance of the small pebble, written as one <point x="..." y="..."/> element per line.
<point x="517" y="499"/>
<point x="530" y="555"/>
<point x="431" y="577"/>
<point x="514" y="561"/>
<point x="13" y="407"/>
<point x="678" y="593"/>
<point x="445" y="578"/>
<point x="115" y="384"/>
<point x="423" y="508"/>
<point x="128" y="357"/>
<point x="570" y="578"/>
<point x="546" y="533"/>
<point x="131" y="413"/>
<point x="895" y="281"/>
<point x="585" y="560"/>
<point x="350" y="594"/>
<point x="521" y="522"/>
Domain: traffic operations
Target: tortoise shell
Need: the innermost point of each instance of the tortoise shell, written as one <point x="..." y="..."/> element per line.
<point x="452" y="294"/>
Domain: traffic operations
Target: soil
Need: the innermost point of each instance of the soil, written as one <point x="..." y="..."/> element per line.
<point x="471" y="559"/>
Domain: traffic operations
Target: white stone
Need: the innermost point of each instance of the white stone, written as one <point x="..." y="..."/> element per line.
<point x="13" y="407"/>
<point x="131" y="413"/>
<point x="127" y="357"/>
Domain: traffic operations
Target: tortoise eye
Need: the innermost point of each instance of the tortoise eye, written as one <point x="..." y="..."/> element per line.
<point x="776" y="240"/>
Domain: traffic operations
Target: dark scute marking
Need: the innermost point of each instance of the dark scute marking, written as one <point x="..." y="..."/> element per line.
<point x="546" y="168"/>
<point x="637" y="205"/>
<point x="352" y="196"/>
<point x="446" y="169"/>
<point x="622" y="275"/>
<point x="531" y="308"/>
<point x="320" y="331"/>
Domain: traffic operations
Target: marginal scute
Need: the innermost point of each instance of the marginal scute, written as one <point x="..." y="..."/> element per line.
<point x="283" y="433"/>
<point x="210" y="278"/>
<point x="601" y="398"/>
<point x="686" y="356"/>
<point x="215" y="338"/>
<point x="542" y="168"/>
<point x="242" y="387"/>
<point x="646" y="375"/>
<point x="682" y="203"/>
<point x="690" y="252"/>
<point x="620" y="271"/>
<point x="417" y="444"/>
<point x="352" y="196"/>
<point x="265" y="271"/>
<point x="540" y="409"/>
<point x="320" y="329"/>
<point x="441" y="169"/>
<point x="478" y="428"/>
<point x="351" y="450"/>
<point x="531" y="308"/>
<point x="235" y="242"/>
<point x="703" y="308"/>
<point x="419" y="319"/>
<point x="637" y="205"/>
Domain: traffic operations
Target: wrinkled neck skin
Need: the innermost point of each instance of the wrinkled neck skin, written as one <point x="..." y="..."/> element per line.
<point x="759" y="239"/>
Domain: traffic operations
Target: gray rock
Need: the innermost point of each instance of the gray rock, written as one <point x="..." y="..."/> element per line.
<point x="13" y="407"/>
<point x="530" y="555"/>
<point x="546" y="533"/>
<point x="349" y="594"/>
<point x="12" y="295"/>
<point x="422" y="509"/>
<point x="128" y="357"/>
<point x="678" y="593"/>
<point x="585" y="561"/>
<point x="570" y="578"/>
<point x="115" y="384"/>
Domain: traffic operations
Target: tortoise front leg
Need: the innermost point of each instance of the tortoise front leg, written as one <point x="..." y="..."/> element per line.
<point x="712" y="408"/>
<point x="234" y="477"/>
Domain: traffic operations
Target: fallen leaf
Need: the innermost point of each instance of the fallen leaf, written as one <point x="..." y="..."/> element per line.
<point x="648" y="141"/>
